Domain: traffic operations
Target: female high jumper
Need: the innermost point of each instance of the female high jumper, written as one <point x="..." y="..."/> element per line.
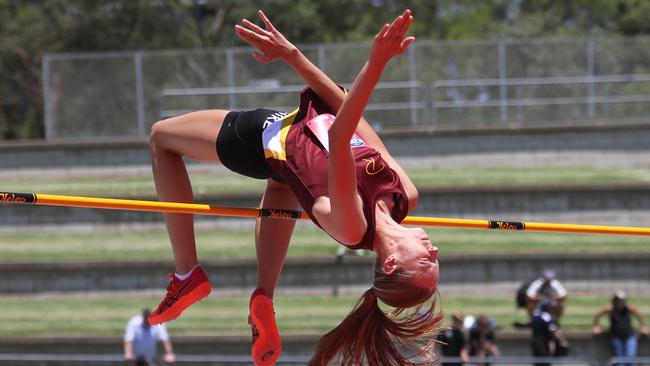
<point x="344" y="178"/>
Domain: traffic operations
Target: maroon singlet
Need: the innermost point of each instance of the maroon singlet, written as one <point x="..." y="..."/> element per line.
<point x="295" y="153"/>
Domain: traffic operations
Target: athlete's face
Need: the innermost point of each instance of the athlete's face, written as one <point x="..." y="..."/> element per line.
<point x="418" y="256"/>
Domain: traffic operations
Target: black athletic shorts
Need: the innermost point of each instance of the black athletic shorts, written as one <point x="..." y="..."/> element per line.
<point x="239" y="143"/>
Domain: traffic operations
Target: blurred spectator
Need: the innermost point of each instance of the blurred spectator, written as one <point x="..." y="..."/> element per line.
<point x="521" y="302"/>
<point x="547" y="288"/>
<point x="482" y="340"/>
<point x="547" y="337"/>
<point x="621" y="332"/>
<point x="452" y="341"/>
<point x="140" y="341"/>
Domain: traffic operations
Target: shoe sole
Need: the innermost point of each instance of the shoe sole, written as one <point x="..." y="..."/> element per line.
<point x="264" y="354"/>
<point x="199" y="293"/>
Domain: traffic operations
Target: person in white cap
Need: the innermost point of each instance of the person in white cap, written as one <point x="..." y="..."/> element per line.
<point x="621" y="333"/>
<point x="548" y="288"/>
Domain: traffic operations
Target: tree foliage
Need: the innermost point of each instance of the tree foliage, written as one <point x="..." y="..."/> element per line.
<point x="31" y="28"/>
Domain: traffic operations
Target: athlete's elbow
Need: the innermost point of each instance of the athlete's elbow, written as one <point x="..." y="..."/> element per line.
<point x="413" y="204"/>
<point x="413" y="199"/>
<point x="351" y="235"/>
<point x="348" y="230"/>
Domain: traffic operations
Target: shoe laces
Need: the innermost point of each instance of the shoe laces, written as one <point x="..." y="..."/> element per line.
<point x="172" y="282"/>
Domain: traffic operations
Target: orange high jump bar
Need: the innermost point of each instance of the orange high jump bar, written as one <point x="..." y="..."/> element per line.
<point x="203" y="209"/>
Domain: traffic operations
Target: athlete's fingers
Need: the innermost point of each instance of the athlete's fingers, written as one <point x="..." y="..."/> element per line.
<point x="407" y="14"/>
<point x="408" y="19"/>
<point x="404" y="28"/>
<point x="240" y="32"/>
<point x="254" y="27"/>
<point x="267" y="22"/>
<point x="244" y="31"/>
<point x="389" y="31"/>
<point x="406" y="43"/>
<point x="261" y="57"/>
<point x="393" y="30"/>
<point x="248" y="35"/>
<point x="382" y="31"/>
<point x="396" y="21"/>
<point x="404" y="22"/>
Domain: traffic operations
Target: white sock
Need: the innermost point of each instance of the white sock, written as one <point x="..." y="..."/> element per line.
<point x="183" y="277"/>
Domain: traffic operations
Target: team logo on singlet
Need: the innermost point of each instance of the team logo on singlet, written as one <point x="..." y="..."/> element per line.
<point x="276" y="128"/>
<point x="372" y="167"/>
<point x="273" y="118"/>
<point x="356" y="141"/>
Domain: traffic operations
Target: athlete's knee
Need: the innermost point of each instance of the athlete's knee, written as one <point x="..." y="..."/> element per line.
<point x="157" y="135"/>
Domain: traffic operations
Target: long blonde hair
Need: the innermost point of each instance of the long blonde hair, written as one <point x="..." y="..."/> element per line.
<point x="370" y="336"/>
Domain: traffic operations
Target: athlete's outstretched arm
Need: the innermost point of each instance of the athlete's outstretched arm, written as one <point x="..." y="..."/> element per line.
<point x="388" y="43"/>
<point x="272" y="45"/>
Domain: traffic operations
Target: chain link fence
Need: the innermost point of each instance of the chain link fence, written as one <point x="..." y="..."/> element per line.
<point x="436" y="84"/>
<point x="466" y="100"/>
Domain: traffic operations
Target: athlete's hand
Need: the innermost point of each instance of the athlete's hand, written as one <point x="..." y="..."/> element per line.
<point x="391" y="41"/>
<point x="271" y="44"/>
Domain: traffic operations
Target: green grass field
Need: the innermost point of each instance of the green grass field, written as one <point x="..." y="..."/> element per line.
<point x="307" y="242"/>
<point x="112" y="185"/>
<point x="75" y="316"/>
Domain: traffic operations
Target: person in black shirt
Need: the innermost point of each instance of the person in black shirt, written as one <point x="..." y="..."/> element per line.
<point x="481" y="339"/>
<point x="621" y="332"/>
<point x="452" y="341"/>
<point x="547" y="337"/>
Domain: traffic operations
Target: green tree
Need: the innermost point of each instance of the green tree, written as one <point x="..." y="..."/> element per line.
<point x="31" y="28"/>
<point x="634" y="17"/>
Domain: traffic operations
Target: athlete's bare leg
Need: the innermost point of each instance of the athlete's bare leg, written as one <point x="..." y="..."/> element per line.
<point x="272" y="236"/>
<point x="193" y="135"/>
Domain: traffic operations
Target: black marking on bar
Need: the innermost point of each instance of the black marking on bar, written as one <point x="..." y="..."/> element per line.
<point x="9" y="197"/>
<point x="507" y="225"/>
<point x="280" y="213"/>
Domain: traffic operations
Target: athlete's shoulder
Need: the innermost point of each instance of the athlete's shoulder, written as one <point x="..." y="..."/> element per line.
<point x="311" y="104"/>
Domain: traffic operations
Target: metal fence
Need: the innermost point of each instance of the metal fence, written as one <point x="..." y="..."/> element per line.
<point x="456" y="84"/>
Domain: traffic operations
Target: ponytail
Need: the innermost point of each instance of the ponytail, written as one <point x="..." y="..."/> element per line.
<point x="370" y="336"/>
